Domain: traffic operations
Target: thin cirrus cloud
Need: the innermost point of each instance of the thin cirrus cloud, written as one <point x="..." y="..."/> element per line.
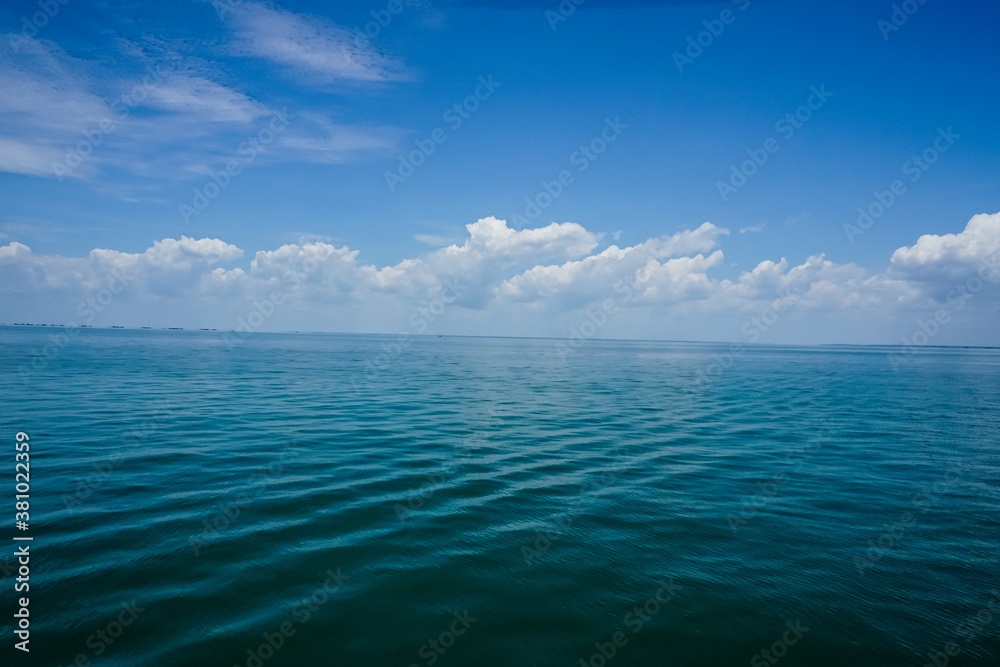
<point x="178" y="121"/>
<point x="314" y="137"/>
<point x="662" y="287"/>
<point x="46" y="104"/>
<point x="205" y="99"/>
<point x="313" y="49"/>
<point x="33" y="158"/>
<point x="55" y="124"/>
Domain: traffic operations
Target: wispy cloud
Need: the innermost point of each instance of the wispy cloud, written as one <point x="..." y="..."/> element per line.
<point x="205" y="99"/>
<point x="30" y="158"/>
<point x="436" y="241"/>
<point x="45" y="105"/>
<point x="133" y="127"/>
<point x="315" y="137"/>
<point x="796" y="219"/>
<point x="753" y="228"/>
<point x="314" y="49"/>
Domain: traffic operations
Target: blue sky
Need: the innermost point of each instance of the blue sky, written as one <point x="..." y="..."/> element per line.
<point x="198" y="81"/>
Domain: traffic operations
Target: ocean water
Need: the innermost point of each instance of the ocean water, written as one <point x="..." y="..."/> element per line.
<point x="298" y="499"/>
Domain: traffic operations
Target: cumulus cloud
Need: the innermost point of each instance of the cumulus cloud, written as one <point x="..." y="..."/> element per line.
<point x="950" y="256"/>
<point x="14" y="250"/>
<point x="168" y="267"/>
<point x="516" y="278"/>
<point x="702" y="239"/>
<point x="189" y="252"/>
<point x="578" y="281"/>
<point x="817" y="283"/>
<point x="493" y="237"/>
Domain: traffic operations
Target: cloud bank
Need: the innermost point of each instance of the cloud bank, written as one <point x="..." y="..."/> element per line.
<point x="529" y="282"/>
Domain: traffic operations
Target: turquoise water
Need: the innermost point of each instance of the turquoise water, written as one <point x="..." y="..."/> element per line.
<point x="488" y="502"/>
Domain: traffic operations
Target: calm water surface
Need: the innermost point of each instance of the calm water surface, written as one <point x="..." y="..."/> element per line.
<point x="486" y="502"/>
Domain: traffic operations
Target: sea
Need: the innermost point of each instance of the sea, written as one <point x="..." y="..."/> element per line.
<point x="255" y="500"/>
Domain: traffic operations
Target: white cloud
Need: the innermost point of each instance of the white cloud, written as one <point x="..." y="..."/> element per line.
<point x="702" y="239"/>
<point x="14" y="250"/>
<point x="48" y="88"/>
<point x="206" y="99"/>
<point x="490" y="236"/>
<point x="189" y="252"/>
<point x="169" y="267"/>
<point x="33" y="158"/>
<point x="436" y="240"/>
<point x="316" y="138"/>
<point x="817" y="283"/>
<point x="129" y="130"/>
<point x="950" y="256"/>
<point x="315" y="48"/>
<point x="44" y="106"/>
<point x="526" y="282"/>
<point x="679" y="279"/>
<point x="578" y="281"/>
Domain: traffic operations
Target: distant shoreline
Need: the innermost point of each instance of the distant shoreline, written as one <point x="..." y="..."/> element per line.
<point x="23" y="325"/>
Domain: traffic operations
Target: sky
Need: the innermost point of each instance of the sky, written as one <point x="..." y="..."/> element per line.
<point x="756" y="171"/>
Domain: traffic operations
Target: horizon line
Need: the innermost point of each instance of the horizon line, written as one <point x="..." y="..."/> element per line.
<point x="443" y="335"/>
